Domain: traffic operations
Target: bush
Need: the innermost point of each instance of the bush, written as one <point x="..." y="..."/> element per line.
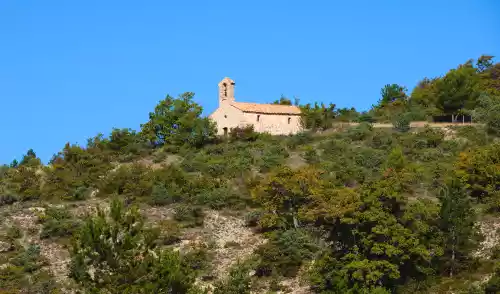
<point x="29" y="260"/>
<point x="245" y="133"/>
<point x="360" y="132"/>
<point x="302" y="138"/>
<point x="81" y="193"/>
<point x="7" y="197"/>
<point x="170" y="232"/>
<point x="252" y="218"/>
<point x="58" y="222"/>
<point x="238" y="281"/>
<point x="310" y="155"/>
<point x="14" y="232"/>
<point x="162" y="195"/>
<point x="285" y="252"/>
<point x="219" y="198"/>
<point x="401" y="123"/>
<point x="189" y="215"/>
<point x="121" y="251"/>
<point x="198" y="260"/>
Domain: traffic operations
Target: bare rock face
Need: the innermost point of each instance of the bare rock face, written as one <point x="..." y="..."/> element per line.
<point x="5" y="246"/>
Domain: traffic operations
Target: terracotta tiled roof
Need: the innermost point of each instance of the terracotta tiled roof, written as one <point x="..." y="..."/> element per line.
<point x="266" y="108"/>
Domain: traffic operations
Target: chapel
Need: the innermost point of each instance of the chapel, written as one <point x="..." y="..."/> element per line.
<point x="266" y="118"/>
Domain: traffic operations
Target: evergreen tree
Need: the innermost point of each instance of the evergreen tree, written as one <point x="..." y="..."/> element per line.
<point x="457" y="224"/>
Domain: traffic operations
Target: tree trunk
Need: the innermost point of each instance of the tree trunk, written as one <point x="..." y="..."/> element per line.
<point x="453" y="242"/>
<point x="294" y="218"/>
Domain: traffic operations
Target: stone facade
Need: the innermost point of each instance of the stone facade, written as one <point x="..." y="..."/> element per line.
<point x="268" y="118"/>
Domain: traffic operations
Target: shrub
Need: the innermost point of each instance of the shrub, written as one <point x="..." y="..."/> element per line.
<point x="252" y="218"/>
<point x="285" y="252"/>
<point x="162" y="195"/>
<point x="238" y="281"/>
<point x="198" y="260"/>
<point x="7" y="197"/>
<point x="401" y="123"/>
<point x="360" y="132"/>
<point x="493" y="285"/>
<point x="14" y="232"/>
<point x="127" y="180"/>
<point x="244" y="133"/>
<point x="219" y="198"/>
<point x="310" y="155"/>
<point x="81" y="193"/>
<point x="29" y="260"/>
<point x="190" y="216"/>
<point x="121" y="251"/>
<point x="301" y="138"/>
<point x="170" y="232"/>
<point x="57" y="222"/>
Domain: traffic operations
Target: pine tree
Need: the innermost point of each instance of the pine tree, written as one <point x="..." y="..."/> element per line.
<point x="457" y="224"/>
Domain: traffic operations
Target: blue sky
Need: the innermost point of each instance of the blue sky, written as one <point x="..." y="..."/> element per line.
<point x="72" y="69"/>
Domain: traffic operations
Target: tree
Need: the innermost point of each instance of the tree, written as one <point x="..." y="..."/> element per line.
<point x="457" y="223"/>
<point x="479" y="169"/>
<point x="484" y="62"/>
<point x="283" y="101"/>
<point x="177" y="122"/>
<point x="379" y="239"/>
<point x="14" y="163"/>
<point x="283" y="193"/>
<point x="458" y="89"/>
<point x="317" y="116"/>
<point x="116" y="253"/>
<point x="391" y="93"/>
<point x="488" y="113"/>
<point x="73" y="171"/>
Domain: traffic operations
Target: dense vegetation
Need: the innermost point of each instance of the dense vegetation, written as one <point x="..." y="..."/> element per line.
<point x="356" y="210"/>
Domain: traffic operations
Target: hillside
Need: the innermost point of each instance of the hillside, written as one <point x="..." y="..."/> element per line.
<point x="381" y="204"/>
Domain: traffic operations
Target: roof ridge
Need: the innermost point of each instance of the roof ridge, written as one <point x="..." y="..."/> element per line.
<point x="266" y="108"/>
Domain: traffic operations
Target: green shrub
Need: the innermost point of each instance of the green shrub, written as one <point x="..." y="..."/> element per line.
<point x="7" y="197"/>
<point x="311" y="155"/>
<point x="382" y="139"/>
<point x="302" y="138"/>
<point x="199" y="260"/>
<point x="127" y="180"/>
<point x="14" y="232"/>
<point x="219" y="198"/>
<point x="29" y="260"/>
<point x="246" y="133"/>
<point x="401" y="123"/>
<point x="360" y="132"/>
<point x="13" y="279"/>
<point x="252" y="218"/>
<point x="122" y="253"/>
<point x="188" y="215"/>
<point x="493" y="285"/>
<point x="58" y="222"/>
<point x="238" y="281"/>
<point x="170" y="232"/>
<point x="81" y="193"/>
<point x="162" y="195"/>
<point x="285" y="252"/>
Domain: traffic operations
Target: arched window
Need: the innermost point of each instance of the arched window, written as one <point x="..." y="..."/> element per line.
<point x="289" y="120"/>
<point x="258" y="117"/>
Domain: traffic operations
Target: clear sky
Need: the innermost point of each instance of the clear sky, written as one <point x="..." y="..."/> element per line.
<point x="72" y="69"/>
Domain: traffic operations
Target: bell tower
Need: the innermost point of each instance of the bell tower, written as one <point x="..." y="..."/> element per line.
<point x="226" y="90"/>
